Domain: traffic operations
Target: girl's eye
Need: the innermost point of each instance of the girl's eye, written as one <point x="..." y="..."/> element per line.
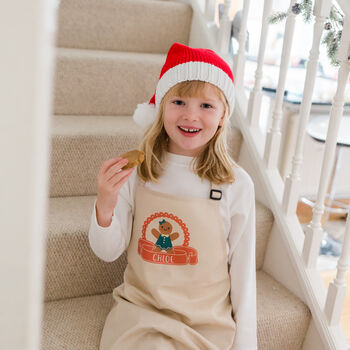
<point x="206" y="105"/>
<point x="178" y="102"/>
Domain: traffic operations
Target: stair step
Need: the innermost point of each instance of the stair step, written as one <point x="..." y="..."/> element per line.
<point x="77" y="323"/>
<point x="123" y="25"/>
<point x="283" y="319"/>
<point x="90" y="82"/>
<point x="73" y="270"/>
<point x="80" y="144"/>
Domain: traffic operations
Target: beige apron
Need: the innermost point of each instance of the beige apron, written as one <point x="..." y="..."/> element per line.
<point x="176" y="286"/>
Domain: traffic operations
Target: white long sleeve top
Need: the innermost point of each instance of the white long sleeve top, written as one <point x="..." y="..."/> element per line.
<point x="237" y="208"/>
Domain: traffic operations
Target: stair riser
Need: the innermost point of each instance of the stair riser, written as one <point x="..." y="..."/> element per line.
<point x="103" y="84"/>
<point x="76" y="161"/>
<point x="73" y="270"/>
<point x="123" y="25"/>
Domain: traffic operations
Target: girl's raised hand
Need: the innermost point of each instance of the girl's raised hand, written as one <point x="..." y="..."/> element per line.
<point x="110" y="179"/>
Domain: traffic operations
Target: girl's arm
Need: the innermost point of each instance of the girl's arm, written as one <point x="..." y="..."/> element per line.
<point x="108" y="243"/>
<point x="243" y="272"/>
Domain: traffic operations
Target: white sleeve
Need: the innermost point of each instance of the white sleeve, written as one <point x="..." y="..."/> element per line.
<point x="109" y="243"/>
<point x="243" y="274"/>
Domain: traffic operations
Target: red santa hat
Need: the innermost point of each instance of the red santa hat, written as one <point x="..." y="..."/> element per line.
<point x="184" y="63"/>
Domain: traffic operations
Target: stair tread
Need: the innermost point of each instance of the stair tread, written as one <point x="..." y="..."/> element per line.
<point x="77" y="125"/>
<point x="77" y="323"/>
<point x="107" y="54"/>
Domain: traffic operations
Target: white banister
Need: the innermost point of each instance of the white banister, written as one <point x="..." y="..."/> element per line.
<point x="273" y="137"/>
<point x="239" y="59"/>
<point x="313" y="234"/>
<point x="210" y="8"/>
<point x="224" y="35"/>
<point x="254" y="104"/>
<point x="292" y="184"/>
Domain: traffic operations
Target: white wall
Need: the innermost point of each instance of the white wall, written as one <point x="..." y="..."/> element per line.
<point x="26" y="70"/>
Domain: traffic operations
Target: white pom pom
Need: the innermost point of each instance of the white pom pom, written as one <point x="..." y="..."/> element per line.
<point x="145" y="114"/>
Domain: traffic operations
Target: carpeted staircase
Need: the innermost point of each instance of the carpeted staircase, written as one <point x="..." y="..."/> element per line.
<point x="109" y="56"/>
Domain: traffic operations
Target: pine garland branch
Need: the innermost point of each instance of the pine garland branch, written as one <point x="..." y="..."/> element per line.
<point x="333" y="26"/>
<point x="335" y="15"/>
<point x="306" y="9"/>
<point x="277" y="17"/>
<point x="328" y="37"/>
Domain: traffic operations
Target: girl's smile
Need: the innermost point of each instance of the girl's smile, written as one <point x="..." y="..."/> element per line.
<point x="191" y="122"/>
<point x="189" y="131"/>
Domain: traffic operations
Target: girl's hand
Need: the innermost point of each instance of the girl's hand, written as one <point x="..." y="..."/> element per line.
<point x="110" y="179"/>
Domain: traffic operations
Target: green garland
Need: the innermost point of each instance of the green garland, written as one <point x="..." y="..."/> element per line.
<point x="333" y="26"/>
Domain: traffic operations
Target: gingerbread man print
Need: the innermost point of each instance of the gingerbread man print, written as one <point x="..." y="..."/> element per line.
<point x="164" y="237"/>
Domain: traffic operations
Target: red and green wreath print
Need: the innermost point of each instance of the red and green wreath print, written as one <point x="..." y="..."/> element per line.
<point x="163" y="247"/>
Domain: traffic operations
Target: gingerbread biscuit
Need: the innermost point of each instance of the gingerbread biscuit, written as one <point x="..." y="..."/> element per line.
<point x="135" y="157"/>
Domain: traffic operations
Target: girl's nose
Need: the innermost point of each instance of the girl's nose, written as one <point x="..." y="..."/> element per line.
<point x="191" y="114"/>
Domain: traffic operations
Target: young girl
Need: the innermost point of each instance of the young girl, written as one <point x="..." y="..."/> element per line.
<point x="186" y="218"/>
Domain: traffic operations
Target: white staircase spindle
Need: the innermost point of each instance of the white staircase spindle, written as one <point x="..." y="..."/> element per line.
<point x="224" y="35"/>
<point x="337" y="289"/>
<point x="273" y="137"/>
<point x="313" y="234"/>
<point x="292" y="185"/>
<point x="210" y="8"/>
<point x="254" y="104"/>
<point x="239" y="59"/>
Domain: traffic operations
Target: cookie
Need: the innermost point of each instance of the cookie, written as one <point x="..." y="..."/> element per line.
<point x="135" y="157"/>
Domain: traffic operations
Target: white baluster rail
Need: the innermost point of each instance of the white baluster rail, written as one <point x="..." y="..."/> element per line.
<point x="314" y="230"/>
<point x="273" y="138"/>
<point x="210" y="9"/>
<point x="239" y="60"/>
<point x="292" y="186"/>
<point x="225" y="29"/>
<point x="337" y="289"/>
<point x="254" y="104"/>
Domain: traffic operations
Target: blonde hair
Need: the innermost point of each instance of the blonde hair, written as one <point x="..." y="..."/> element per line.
<point x="213" y="163"/>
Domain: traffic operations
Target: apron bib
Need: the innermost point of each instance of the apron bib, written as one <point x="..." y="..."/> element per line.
<point x="176" y="286"/>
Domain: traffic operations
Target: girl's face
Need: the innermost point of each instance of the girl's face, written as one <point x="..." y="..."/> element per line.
<point x="191" y="122"/>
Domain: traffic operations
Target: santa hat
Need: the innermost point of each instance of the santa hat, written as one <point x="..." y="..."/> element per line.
<point x="184" y="63"/>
